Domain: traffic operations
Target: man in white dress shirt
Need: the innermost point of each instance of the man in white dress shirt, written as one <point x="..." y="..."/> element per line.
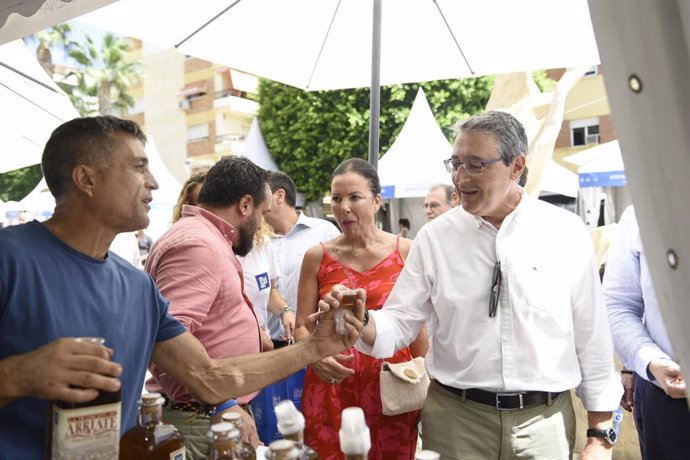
<point x="510" y="287"/>
<point x="295" y="233"/>
<point x="654" y="385"/>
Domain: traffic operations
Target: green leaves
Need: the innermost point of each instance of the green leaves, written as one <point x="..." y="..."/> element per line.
<point x="310" y="133"/>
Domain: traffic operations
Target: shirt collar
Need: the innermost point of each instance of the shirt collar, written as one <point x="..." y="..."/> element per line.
<point x="226" y="229"/>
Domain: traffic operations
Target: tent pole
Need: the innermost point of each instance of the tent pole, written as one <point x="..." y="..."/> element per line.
<point x="375" y="94"/>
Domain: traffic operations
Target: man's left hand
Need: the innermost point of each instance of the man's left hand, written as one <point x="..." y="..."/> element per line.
<point x="248" y="430"/>
<point x="596" y="449"/>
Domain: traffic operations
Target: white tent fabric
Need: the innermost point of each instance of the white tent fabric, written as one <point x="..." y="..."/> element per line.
<point x="557" y="180"/>
<point x="41" y="203"/>
<point x="327" y="44"/>
<point x="20" y="18"/>
<point x="602" y="177"/>
<point x="255" y="148"/>
<point x="29" y="111"/>
<point x="600" y="166"/>
<point x="415" y="160"/>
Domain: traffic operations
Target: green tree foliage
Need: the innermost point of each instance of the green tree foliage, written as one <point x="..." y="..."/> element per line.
<point x="310" y="133"/>
<point x="15" y="185"/>
<point x="102" y="85"/>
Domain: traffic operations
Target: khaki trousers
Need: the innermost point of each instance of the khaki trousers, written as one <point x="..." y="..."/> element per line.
<point x="194" y="429"/>
<point x="467" y="430"/>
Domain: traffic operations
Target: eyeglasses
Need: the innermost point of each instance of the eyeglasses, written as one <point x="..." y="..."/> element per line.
<point x="432" y="205"/>
<point x="475" y="168"/>
<point x="495" y="289"/>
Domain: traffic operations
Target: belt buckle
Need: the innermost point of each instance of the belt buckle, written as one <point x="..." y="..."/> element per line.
<point x="498" y="401"/>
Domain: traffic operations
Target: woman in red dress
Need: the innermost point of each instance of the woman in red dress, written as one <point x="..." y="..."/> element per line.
<point x="364" y="256"/>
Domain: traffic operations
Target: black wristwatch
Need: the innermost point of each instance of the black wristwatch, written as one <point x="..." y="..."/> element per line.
<point x="609" y="434"/>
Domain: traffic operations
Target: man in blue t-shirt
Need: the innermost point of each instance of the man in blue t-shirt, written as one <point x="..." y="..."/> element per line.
<point x="58" y="280"/>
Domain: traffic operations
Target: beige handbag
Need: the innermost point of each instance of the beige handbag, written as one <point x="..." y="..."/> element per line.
<point x="403" y="386"/>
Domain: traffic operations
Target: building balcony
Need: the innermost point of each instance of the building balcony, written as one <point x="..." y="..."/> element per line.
<point x="226" y="102"/>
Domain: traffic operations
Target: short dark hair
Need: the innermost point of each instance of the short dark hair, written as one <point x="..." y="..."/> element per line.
<point x="279" y="180"/>
<point x="509" y="132"/>
<point x="404" y="222"/>
<point x="362" y="168"/>
<point x="89" y="141"/>
<point x="448" y="189"/>
<point x="232" y="178"/>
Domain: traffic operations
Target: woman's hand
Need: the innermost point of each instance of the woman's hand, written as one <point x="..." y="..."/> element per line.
<point x="289" y="325"/>
<point x="330" y="370"/>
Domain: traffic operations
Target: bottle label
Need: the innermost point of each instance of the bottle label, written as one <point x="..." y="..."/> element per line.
<point x="87" y="432"/>
<point x="179" y="454"/>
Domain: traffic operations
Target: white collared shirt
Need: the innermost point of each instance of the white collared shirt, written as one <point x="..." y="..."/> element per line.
<point x="638" y="329"/>
<point x="289" y="251"/>
<point x="550" y="332"/>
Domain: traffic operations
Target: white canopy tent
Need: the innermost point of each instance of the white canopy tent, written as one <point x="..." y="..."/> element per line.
<point x="601" y="177"/>
<point x="41" y="204"/>
<point x="255" y="148"/>
<point x="415" y="160"/>
<point x="19" y="18"/>
<point x="31" y="107"/>
<point x="413" y="164"/>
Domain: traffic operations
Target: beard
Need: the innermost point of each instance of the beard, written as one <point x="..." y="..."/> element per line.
<point x="245" y="237"/>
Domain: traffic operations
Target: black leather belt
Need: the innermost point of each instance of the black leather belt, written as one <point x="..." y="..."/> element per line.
<point x="504" y="401"/>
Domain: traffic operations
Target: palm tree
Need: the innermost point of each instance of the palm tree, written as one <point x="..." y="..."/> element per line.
<point x="58" y="35"/>
<point x="107" y="76"/>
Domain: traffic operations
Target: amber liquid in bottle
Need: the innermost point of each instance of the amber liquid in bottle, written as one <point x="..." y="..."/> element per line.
<point x="85" y="431"/>
<point x="243" y="450"/>
<point x="283" y="449"/>
<point x="291" y="425"/>
<point x="151" y="438"/>
<point x="223" y="438"/>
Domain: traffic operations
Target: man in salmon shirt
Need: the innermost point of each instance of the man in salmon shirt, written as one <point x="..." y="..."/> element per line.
<point x="195" y="267"/>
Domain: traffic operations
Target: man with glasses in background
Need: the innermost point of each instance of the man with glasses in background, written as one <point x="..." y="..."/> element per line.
<point x="510" y="288"/>
<point x="439" y="199"/>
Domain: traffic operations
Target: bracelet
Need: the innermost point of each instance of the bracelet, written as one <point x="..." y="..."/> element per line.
<point x="222" y="407"/>
<point x="626" y="371"/>
<point x="365" y="318"/>
<point x="285" y="311"/>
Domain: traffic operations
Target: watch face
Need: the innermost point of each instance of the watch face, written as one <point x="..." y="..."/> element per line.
<point x="611" y="436"/>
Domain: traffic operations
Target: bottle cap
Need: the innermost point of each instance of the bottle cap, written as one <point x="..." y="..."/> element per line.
<point x="290" y="420"/>
<point x="223" y="431"/>
<point x="354" y="432"/>
<point x="234" y="418"/>
<point x="284" y="446"/>
<point x="151" y="399"/>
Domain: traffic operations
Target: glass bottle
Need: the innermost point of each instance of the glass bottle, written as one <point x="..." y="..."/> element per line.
<point x="151" y="438"/>
<point x="89" y="430"/>
<point x="291" y="426"/>
<point x="427" y="455"/>
<point x="355" y="440"/>
<point x="283" y="449"/>
<point x="223" y="438"/>
<point x="242" y="449"/>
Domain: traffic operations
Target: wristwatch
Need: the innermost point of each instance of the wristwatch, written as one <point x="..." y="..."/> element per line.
<point x="609" y="434"/>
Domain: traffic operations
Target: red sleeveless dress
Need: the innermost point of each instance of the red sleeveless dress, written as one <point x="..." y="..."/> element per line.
<point x="322" y="403"/>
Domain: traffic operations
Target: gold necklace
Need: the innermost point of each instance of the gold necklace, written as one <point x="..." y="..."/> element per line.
<point x="354" y="251"/>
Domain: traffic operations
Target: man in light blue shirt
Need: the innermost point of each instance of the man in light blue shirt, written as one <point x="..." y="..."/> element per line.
<point x="641" y="341"/>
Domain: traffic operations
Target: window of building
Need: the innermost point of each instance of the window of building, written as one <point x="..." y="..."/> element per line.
<point x="584" y="132"/>
<point x="197" y="133"/>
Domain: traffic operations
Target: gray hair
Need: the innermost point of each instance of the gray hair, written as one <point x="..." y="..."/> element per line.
<point x="508" y="131"/>
<point x="447" y="189"/>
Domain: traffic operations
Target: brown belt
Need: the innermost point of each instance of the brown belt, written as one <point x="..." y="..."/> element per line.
<point x="199" y="408"/>
<point x="504" y="401"/>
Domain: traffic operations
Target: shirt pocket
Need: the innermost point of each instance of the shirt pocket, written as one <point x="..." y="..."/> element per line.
<point x="546" y="293"/>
